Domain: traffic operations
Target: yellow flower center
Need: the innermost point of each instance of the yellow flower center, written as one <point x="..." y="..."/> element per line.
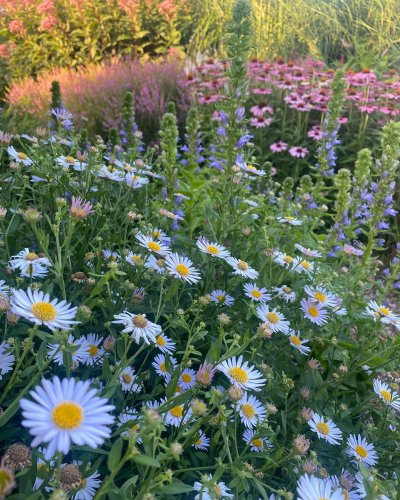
<point x="256" y="294"/>
<point x="313" y="311"/>
<point x="221" y="298"/>
<point x="345" y="494"/>
<point x="257" y="442"/>
<point x="248" y="410"/>
<point x="251" y="167"/>
<point x="70" y="160"/>
<point x="67" y="415"/>
<point x="22" y="156"/>
<point x="361" y="451"/>
<point x="212" y="249"/>
<point x="161" y="341"/>
<point x="273" y="318"/>
<point x="135" y="427"/>
<point x="163" y="368"/>
<point x="323" y="428"/>
<point x="160" y="262"/>
<point x="289" y="218"/>
<point x="198" y="442"/>
<point x="238" y="374"/>
<point x="295" y="340"/>
<point x="386" y="395"/>
<point x="384" y="310"/>
<point x="182" y="270"/>
<point x="5" y="480"/>
<point x="156" y="233"/>
<point x="287" y="289"/>
<point x="139" y="321"/>
<point x="176" y="411"/>
<point x="136" y="258"/>
<point x="154" y="246"/>
<point x="321" y="297"/>
<point x="93" y="350"/>
<point x="186" y="377"/>
<point x="218" y="491"/>
<point x="305" y="264"/>
<point x="243" y="266"/>
<point x="126" y="377"/>
<point x="31" y="256"/>
<point x="288" y="259"/>
<point x="44" y="311"/>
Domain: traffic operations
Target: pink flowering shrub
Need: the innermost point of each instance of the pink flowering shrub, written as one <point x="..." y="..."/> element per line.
<point x="94" y="96"/>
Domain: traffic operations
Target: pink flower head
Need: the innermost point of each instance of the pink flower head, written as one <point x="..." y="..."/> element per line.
<point x="48" y="23"/>
<point x="80" y="209"/>
<point x="260" y="122"/>
<point x="315" y="133"/>
<point x="4" y="51"/>
<point x="46" y="7"/>
<point x="262" y="91"/>
<point x="278" y="147"/>
<point x="167" y="8"/>
<point x="17" y="27"/>
<point x="260" y="109"/>
<point x="298" y="152"/>
<point x="205" y="374"/>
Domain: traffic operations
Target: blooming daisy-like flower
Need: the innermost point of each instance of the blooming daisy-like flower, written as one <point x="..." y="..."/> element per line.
<point x="160" y="365"/>
<point x="325" y="429"/>
<point x="221" y="297"/>
<point x="315" y="488"/>
<point x="19" y="157"/>
<point x="296" y="342"/>
<point x="70" y="161"/>
<point x="127" y="379"/>
<point x="302" y="266"/>
<point x="64" y="413"/>
<point x="256" y="443"/>
<point x="288" y="219"/>
<point x="251" y="169"/>
<point x="360" y="488"/>
<point x="314" y="312"/>
<point x="152" y="244"/>
<point x="135" y="181"/>
<point x="213" y="249"/>
<point x="36" y="307"/>
<point x="251" y="411"/>
<point x="139" y="326"/>
<point x="107" y="254"/>
<point x="286" y="293"/>
<point x="165" y="344"/>
<point x="177" y="415"/>
<point x="345" y="484"/>
<point x="6" y="359"/>
<point x="80" y="209"/>
<point x="211" y="492"/>
<point x="361" y="450"/>
<point x="352" y="250"/>
<point x="320" y="295"/>
<point x="391" y="398"/>
<point x="298" y="152"/>
<point x="242" y="268"/>
<point x="202" y="442"/>
<point x="255" y="293"/>
<point x="187" y="379"/>
<point x="156" y="264"/>
<point x="93" y="353"/>
<point x="182" y="268"/>
<point x="307" y="251"/>
<point x="161" y="235"/>
<point x="275" y="320"/>
<point x="129" y="419"/>
<point x="88" y="487"/>
<point x="241" y="374"/>
<point x="30" y="264"/>
<point x="77" y="346"/>
<point x="283" y="259"/>
<point x="135" y="259"/>
<point x="382" y="312"/>
<point x="111" y="173"/>
<point x="278" y="147"/>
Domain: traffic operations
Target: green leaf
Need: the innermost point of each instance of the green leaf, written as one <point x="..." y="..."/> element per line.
<point x="176" y="488"/>
<point x="146" y="460"/>
<point x="115" y="455"/>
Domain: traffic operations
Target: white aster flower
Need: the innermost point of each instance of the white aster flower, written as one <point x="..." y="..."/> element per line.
<point x="283" y="259"/>
<point x="275" y="320"/>
<point x="30" y="264"/>
<point x="220" y="297"/>
<point x="251" y="411"/>
<point x="152" y="244"/>
<point x="161" y="235"/>
<point x="187" y="379"/>
<point x="256" y="443"/>
<point x="165" y="344"/>
<point x="325" y="429"/>
<point x="361" y="488"/>
<point x="135" y="259"/>
<point x="213" y="249"/>
<point x="202" y="442"/>
<point x="314" y="312"/>
<point x="77" y="346"/>
<point x="288" y="219"/>
<point x="177" y="415"/>
<point x="129" y="419"/>
<point x="135" y="181"/>
<point x="6" y="359"/>
<point x="111" y="173"/>
<point x="160" y="365"/>
<point x="302" y="266"/>
<point x="241" y="374"/>
<point x="383" y="313"/>
<point x="93" y="353"/>
<point x="297" y="343"/>
<point x="321" y="295"/>
<point x="36" y="307"/>
<point x="361" y="450"/>
<point x="182" y="268"/>
<point x="157" y="264"/>
<point x="87" y="490"/>
<point x="308" y="251"/>
<point x="127" y="379"/>
<point x="64" y="413"/>
<point x="242" y="268"/>
<point x="390" y="397"/>
<point x="315" y="488"/>
<point x="69" y="161"/>
<point x="255" y="293"/>
<point x="19" y="157"/>
<point x="286" y="293"/>
<point x="212" y="491"/>
<point x="139" y="326"/>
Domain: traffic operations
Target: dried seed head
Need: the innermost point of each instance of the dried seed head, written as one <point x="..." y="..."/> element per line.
<point x="18" y="457"/>
<point x="71" y="478"/>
